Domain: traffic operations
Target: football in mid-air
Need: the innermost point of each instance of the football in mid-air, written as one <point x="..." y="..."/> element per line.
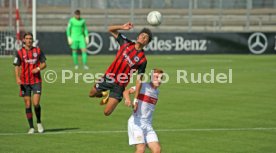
<point x="154" y="18"/>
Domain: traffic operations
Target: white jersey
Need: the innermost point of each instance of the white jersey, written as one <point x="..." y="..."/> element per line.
<point x="147" y="100"/>
<point x="140" y="130"/>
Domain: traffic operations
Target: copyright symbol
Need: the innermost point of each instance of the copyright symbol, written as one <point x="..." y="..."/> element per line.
<point x="50" y="76"/>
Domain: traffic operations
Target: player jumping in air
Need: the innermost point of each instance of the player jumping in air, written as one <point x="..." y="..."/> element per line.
<point x="140" y="131"/>
<point x="130" y="58"/>
<point x="29" y="61"/>
<point x="77" y="36"/>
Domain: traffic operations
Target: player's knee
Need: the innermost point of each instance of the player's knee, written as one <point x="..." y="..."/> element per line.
<point x="92" y="94"/>
<point x="156" y="149"/>
<point x="27" y="104"/>
<point x="140" y="149"/>
<point x="36" y="105"/>
<point x="107" y="112"/>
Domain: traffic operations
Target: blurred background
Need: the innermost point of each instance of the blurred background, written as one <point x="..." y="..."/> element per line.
<point x="236" y="117"/>
<point x="179" y="16"/>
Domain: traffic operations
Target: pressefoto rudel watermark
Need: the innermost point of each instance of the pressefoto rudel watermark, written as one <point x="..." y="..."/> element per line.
<point x="182" y="76"/>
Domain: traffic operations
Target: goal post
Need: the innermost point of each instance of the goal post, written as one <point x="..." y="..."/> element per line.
<point x="17" y="17"/>
<point x="34" y="22"/>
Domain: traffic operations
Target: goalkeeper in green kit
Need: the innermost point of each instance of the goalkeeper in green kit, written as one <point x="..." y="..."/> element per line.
<point x="77" y="36"/>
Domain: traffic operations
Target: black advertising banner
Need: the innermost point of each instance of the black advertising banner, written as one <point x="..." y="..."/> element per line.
<point x="170" y="43"/>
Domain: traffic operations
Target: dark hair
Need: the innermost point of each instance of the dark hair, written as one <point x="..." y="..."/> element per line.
<point x="147" y="31"/>
<point x="77" y="12"/>
<point x="28" y="33"/>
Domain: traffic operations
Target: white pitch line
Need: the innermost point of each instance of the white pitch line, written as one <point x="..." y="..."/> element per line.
<point x="160" y="130"/>
<point x="6" y="56"/>
<point x="216" y="129"/>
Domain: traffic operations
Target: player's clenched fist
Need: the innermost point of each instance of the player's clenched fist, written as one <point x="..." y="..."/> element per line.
<point x="127" y="26"/>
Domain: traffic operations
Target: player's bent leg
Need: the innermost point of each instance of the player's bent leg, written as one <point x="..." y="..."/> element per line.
<point x="110" y="106"/>
<point x="154" y="147"/>
<point x="140" y="148"/>
<point x="94" y="93"/>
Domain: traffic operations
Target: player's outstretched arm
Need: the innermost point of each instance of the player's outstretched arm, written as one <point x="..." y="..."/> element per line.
<point x="114" y="28"/>
<point x="126" y="94"/>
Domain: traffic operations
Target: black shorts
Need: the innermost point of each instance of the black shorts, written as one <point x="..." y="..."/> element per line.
<point x="115" y="91"/>
<point x="26" y="89"/>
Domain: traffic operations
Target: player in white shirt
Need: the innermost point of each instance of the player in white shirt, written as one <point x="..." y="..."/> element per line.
<point x="140" y="131"/>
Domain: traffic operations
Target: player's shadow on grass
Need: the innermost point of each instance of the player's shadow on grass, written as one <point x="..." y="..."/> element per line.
<point x="60" y="129"/>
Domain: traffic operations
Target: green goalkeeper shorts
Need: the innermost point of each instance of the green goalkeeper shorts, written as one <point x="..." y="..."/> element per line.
<point x="78" y="44"/>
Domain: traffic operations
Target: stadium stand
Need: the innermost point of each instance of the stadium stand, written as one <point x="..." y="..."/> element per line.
<point x="54" y="18"/>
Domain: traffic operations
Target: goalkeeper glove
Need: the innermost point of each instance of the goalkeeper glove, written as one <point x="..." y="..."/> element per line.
<point x="87" y="40"/>
<point x="70" y="41"/>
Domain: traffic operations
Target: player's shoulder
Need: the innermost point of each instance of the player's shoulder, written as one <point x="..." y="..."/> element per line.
<point x="71" y="19"/>
<point x="146" y="85"/>
<point x="20" y="50"/>
<point x="36" y="48"/>
<point x="157" y="91"/>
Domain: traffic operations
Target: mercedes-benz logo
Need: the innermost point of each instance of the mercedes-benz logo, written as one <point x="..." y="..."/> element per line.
<point x="95" y="43"/>
<point x="257" y="43"/>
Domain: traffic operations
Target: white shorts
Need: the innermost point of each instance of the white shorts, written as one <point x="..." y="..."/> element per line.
<point x="140" y="134"/>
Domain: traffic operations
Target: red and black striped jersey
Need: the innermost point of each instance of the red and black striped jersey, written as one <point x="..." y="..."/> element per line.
<point x="127" y="61"/>
<point x="29" y="60"/>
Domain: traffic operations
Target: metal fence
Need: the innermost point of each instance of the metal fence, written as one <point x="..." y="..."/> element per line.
<point x="159" y="3"/>
<point x="154" y="4"/>
<point x="181" y="15"/>
<point x="178" y="15"/>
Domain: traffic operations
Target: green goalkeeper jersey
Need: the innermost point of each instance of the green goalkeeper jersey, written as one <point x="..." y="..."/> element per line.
<point x="76" y="29"/>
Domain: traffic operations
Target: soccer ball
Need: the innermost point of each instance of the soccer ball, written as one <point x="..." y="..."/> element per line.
<point x="154" y="18"/>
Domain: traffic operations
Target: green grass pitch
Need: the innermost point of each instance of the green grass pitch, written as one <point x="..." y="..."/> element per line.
<point x="193" y="118"/>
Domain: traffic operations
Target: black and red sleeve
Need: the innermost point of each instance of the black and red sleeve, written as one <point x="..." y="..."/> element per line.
<point x="122" y="39"/>
<point x="42" y="57"/>
<point x="142" y="68"/>
<point x="17" y="60"/>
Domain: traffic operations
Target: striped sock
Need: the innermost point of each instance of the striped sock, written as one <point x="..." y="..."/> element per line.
<point x="29" y="116"/>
